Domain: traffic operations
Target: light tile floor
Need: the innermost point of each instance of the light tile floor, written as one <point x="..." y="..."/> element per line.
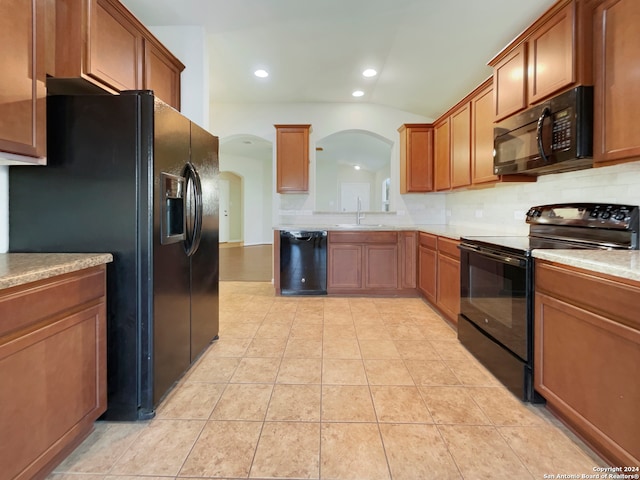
<point x="332" y="388"/>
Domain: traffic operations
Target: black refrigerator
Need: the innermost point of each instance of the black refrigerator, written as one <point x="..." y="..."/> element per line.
<point x="129" y="175"/>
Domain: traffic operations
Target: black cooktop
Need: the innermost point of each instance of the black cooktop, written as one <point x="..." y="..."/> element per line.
<point x="524" y="244"/>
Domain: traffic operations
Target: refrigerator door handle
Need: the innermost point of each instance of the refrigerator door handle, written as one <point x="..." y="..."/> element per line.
<point x="194" y="190"/>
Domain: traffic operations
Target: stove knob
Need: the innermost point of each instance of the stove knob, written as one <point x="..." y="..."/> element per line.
<point x="594" y="213"/>
<point x="605" y="215"/>
<point x="620" y="216"/>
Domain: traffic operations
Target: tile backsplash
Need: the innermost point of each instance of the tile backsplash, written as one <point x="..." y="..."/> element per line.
<point x="504" y="205"/>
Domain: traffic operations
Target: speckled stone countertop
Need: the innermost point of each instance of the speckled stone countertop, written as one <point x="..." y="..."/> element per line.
<point x="20" y="268"/>
<point x="450" y="231"/>
<point x="619" y="263"/>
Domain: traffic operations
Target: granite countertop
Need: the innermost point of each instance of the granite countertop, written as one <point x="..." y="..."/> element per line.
<point x="20" y="268"/>
<point x="619" y="263"/>
<point x="454" y="232"/>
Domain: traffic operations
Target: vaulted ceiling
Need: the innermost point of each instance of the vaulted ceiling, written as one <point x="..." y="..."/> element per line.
<point x="428" y="53"/>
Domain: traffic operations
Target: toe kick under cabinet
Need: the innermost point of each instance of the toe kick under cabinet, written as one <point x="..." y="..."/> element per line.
<point x="587" y="357"/>
<point x="52" y="369"/>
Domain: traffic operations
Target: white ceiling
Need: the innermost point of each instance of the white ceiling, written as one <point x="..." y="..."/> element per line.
<point x="429" y="53"/>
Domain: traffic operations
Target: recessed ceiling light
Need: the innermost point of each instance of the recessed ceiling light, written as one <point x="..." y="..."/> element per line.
<point x="261" y="73"/>
<point x="357" y="167"/>
<point x="358" y="93"/>
<point x="369" y="72"/>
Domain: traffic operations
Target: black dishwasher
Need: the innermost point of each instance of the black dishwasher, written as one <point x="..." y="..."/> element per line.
<point x="303" y="262"/>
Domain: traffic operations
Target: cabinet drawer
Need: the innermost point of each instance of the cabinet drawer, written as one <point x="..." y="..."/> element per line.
<point x="363" y="237"/>
<point x="449" y="248"/>
<point x="578" y="287"/>
<point x="23" y="306"/>
<point x="429" y="241"/>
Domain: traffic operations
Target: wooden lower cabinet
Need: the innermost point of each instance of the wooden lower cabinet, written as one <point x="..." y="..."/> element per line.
<point x="372" y="263"/>
<point x="587" y="361"/>
<point x="428" y="266"/>
<point x="52" y="369"/>
<point x="439" y="273"/>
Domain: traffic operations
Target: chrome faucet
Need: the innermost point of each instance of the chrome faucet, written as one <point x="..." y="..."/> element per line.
<point x="359" y="214"/>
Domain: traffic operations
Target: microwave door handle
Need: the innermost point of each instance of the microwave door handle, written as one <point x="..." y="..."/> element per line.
<point x="545" y="113"/>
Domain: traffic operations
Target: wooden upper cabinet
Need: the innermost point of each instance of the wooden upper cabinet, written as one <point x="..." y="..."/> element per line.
<point x="510" y="83"/>
<point x="442" y="167"/>
<point x="416" y="157"/>
<point x="617" y="81"/>
<point x="550" y="56"/>
<point x="161" y="74"/>
<point x="22" y="83"/>
<point x="460" y="154"/>
<point x="106" y="46"/>
<point x="482" y="137"/>
<point x="114" y="52"/>
<point x="292" y="158"/>
<point x="553" y="54"/>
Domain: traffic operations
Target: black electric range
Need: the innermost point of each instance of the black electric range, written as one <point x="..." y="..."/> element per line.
<point x="497" y="281"/>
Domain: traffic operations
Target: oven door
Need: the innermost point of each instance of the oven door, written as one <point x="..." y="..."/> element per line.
<point x="494" y="289"/>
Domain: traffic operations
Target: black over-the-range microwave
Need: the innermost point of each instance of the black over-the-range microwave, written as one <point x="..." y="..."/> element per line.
<point x="556" y="136"/>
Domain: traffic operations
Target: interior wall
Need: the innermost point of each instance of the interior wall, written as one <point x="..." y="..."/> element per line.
<point x="257" y="186"/>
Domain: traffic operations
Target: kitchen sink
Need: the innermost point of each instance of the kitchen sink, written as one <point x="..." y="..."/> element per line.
<point x="356" y="226"/>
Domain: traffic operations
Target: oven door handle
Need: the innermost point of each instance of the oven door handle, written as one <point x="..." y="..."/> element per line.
<point x="518" y="262"/>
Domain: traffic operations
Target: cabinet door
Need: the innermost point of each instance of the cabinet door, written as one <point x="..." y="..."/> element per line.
<point x="22" y="83"/>
<point x="617" y="81"/>
<point x="461" y="147"/>
<point x="53" y="388"/>
<point x="596" y="390"/>
<point x="509" y="81"/>
<point x="551" y="56"/>
<point x="482" y="137"/>
<point x="344" y="267"/>
<point x="292" y="158"/>
<point x="442" y="162"/>
<point x="427" y="273"/>
<point x="161" y="75"/>
<point x="407" y="259"/>
<point x="381" y="266"/>
<point x="416" y="158"/>
<point x="114" y="54"/>
<point x="449" y="278"/>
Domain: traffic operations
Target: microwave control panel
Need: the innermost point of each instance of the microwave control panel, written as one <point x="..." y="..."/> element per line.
<point x="562" y="124"/>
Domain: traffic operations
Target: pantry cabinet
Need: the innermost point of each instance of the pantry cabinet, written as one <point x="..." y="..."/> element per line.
<point x="52" y="369"/>
<point x="22" y="83"/>
<point x="100" y="45"/>
<point x="292" y="158"/>
<point x="617" y="82"/>
<point x="439" y="273"/>
<point x="552" y="55"/>
<point x="416" y="158"/>
<point x="587" y="354"/>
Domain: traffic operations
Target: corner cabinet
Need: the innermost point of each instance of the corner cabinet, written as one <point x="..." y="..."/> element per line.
<point x="416" y="158"/>
<point x="617" y="82"/>
<point x="587" y="357"/>
<point x="52" y="369"/>
<point x="101" y="45"/>
<point x="439" y="273"/>
<point x="22" y="83"/>
<point x="292" y="158"/>
<point x="552" y="55"/>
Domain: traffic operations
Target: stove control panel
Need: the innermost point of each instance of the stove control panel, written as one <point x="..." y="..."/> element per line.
<point x="597" y="215"/>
